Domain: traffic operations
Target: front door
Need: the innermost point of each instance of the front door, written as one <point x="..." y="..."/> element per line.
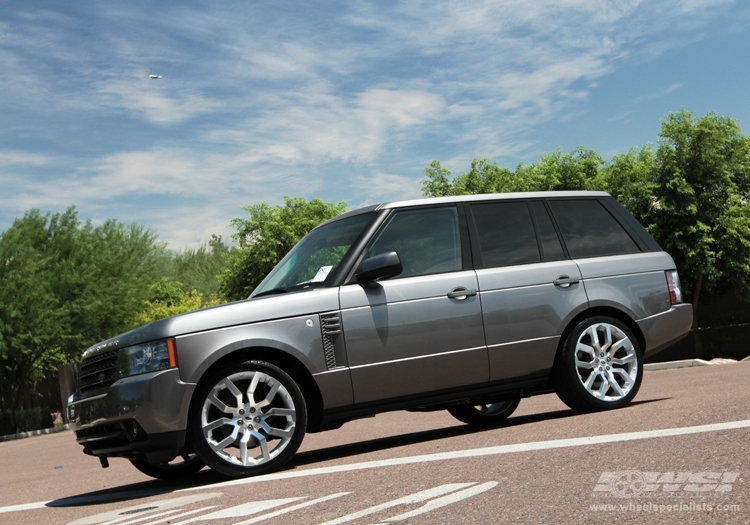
<point x="421" y="331"/>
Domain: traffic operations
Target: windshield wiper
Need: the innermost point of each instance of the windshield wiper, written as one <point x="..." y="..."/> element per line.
<point x="272" y="291"/>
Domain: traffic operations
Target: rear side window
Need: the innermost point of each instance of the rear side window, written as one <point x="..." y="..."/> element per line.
<point x="551" y="248"/>
<point x="589" y="230"/>
<point x="506" y="234"/>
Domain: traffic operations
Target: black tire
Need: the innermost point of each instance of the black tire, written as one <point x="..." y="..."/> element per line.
<point x="180" y="467"/>
<point x="268" y="425"/>
<point x="596" y="371"/>
<point x="484" y="414"/>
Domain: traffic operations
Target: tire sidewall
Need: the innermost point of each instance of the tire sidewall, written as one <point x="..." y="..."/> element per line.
<point x="195" y="431"/>
<point x="571" y="372"/>
<point x="470" y="415"/>
<point x="168" y="472"/>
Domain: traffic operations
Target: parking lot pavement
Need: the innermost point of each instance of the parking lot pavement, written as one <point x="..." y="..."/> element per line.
<point x="678" y="454"/>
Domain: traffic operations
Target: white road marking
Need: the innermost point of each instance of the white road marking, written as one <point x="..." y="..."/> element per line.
<point x="458" y="454"/>
<point x="122" y="519"/>
<point x="445" y="500"/>
<point x="153" y="507"/>
<point x="419" y="497"/>
<point x="488" y="451"/>
<point x="170" y="515"/>
<point x="292" y="508"/>
<point x="244" y="509"/>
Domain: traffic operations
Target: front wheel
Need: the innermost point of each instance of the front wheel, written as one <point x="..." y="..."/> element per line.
<point x="485" y="414"/>
<point x="600" y="366"/>
<point x="247" y="418"/>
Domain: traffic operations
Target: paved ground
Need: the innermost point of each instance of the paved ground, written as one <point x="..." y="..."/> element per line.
<point x="679" y="454"/>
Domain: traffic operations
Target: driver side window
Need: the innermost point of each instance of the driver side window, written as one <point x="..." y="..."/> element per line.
<point x="427" y="241"/>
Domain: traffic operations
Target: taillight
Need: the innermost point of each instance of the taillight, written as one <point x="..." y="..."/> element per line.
<point x="673" y="283"/>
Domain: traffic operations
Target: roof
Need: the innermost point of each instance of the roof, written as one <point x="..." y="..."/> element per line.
<point x="487" y="197"/>
<point x="428" y="201"/>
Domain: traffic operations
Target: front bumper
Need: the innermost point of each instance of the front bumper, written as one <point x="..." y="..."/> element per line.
<point x="140" y="417"/>
<point x="666" y="328"/>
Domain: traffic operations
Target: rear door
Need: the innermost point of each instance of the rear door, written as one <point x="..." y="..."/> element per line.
<point x="420" y="331"/>
<point x="615" y="260"/>
<point x="528" y="287"/>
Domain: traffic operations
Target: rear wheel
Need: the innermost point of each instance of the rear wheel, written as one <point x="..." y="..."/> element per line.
<point x="485" y="414"/>
<point x="186" y="464"/>
<point x="247" y="418"/>
<point x="600" y="366"/>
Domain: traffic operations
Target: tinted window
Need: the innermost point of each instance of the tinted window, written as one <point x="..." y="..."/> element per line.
<point x="589" y="230"/>
<point x="506" y="234"/>
<point x="551" y="248"/>
<point x="427" y="240"/>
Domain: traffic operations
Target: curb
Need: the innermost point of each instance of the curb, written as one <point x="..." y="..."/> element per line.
<point x="31" y="433"/>
<point x="687" y="363"/>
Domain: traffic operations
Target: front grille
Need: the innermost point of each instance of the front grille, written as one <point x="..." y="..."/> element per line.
<point x="98" y="371"/>
<point x="111" y="438"/>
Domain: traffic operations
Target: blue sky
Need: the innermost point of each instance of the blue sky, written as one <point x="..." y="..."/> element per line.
<point x="346" y="101"/>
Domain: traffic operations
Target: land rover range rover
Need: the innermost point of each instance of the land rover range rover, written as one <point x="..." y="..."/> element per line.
<point x="465" y="304"/>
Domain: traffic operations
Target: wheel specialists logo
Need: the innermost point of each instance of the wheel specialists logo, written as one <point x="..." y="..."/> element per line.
<point x="632" y="483"/>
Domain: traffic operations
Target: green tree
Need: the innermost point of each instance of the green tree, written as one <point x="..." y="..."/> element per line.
<point x="556" y="171"/>
<point x="560" y="171"/>
<point x="198" y="269"/>
<point x="437" y="183"/>
<point x="65" y="285"/>
<point x="701" y="214"/>
<point x="167" y="298"/>
<point x="631" y="179"/>
<point x="264" y="238"/>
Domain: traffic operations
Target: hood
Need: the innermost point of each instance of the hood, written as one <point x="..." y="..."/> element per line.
<point x="232" y="314"/>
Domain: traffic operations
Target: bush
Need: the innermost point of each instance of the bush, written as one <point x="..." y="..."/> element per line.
<point x="24" y="420"/>
<point x="6" y="423"/>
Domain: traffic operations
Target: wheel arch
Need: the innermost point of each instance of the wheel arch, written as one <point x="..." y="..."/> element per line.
<point x="602" y="311"/>
<point x="288" y="363"/>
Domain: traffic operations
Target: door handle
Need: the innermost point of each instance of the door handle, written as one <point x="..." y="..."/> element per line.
<point x="461" y="293"/>
<point x="564" y="281"/>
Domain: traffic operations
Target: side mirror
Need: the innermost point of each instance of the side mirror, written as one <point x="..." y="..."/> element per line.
<point x="385" y="264"/>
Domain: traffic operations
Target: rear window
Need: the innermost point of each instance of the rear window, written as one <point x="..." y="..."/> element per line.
<point x="589" y="230"/>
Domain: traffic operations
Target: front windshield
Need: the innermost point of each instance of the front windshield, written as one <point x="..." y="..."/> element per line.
<point x="313" y="258"/>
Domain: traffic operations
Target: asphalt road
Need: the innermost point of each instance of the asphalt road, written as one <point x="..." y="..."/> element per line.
<point x="679" y="454"/>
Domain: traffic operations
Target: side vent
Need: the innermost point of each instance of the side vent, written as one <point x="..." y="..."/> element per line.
<point x="330" y="326"/>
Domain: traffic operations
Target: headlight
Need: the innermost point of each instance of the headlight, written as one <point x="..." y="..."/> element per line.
<point x="146" y="357"/>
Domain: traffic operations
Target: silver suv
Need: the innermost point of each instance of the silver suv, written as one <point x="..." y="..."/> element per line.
<point x="459" y="303"/>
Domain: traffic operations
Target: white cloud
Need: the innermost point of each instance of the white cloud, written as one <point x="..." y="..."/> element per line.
<point x="161" y="101"/>
<point x="260" y="101"/>
<point x="319" y="126"/>
<point x="381" y="187"/>
<point x="660" y="93"/>
<point x="23" y="158"/>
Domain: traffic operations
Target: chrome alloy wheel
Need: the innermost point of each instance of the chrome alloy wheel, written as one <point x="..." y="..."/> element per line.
<point x="606" y="362"/>
<point x="248" y="418"/>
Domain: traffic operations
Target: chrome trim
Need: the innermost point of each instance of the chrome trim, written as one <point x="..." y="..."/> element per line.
<point x="418" y="357"/>
<point x="525" y="341"/>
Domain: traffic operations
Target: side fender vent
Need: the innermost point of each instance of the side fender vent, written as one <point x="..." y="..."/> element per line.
<point x="330" y="327"/>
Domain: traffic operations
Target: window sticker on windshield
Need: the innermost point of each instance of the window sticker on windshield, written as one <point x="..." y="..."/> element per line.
<point x="322" y="274"/>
